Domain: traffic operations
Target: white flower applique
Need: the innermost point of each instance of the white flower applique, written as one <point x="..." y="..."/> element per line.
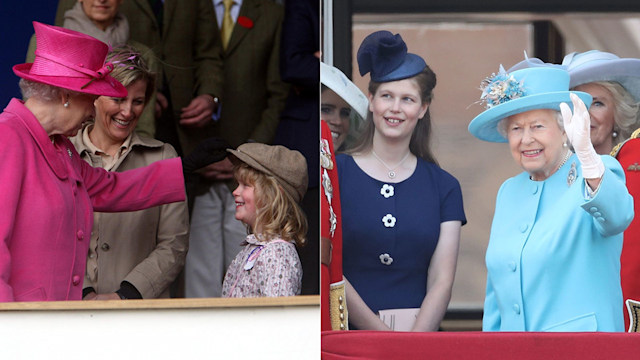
<point x="389" y="221"/>
<point x="386" y="259"/>
<point x="387" y="191"/>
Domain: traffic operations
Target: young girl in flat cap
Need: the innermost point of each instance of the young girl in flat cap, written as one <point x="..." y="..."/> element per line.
<point x="271" y="182"/>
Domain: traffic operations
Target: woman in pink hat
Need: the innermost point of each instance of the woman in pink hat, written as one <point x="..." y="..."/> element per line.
<point x="49" y="193"/>
<point x="104" y="21"/>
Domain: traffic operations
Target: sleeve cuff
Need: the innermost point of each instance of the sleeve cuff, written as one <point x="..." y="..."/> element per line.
<point x="128" y="291"/>
<point x="87" y="291"/>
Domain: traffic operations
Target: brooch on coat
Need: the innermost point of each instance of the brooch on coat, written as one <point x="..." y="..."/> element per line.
<point x="571" y="177"/>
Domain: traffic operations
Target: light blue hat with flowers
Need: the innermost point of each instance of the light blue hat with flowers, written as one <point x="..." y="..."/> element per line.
<point x="505" y="94"/>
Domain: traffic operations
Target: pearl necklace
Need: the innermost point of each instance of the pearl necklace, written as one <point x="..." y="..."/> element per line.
<point x="391" y="170"/>
<point x="566" y="157"/>
<point x="564" y="161"/>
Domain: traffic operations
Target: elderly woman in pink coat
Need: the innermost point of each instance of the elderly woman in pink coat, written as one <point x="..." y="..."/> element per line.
<point x="48" y="192"/>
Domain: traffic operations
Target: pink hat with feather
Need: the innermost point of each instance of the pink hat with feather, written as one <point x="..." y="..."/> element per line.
<point x="70" y="60"/>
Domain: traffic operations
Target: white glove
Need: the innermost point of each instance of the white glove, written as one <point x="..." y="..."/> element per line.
<point x="578" y="129"/>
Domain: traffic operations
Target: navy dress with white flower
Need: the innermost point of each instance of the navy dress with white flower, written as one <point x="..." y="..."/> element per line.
<point x="390" y="230"/>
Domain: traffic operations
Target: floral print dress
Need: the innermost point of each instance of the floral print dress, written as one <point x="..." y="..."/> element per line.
<point x="264" y="269"/>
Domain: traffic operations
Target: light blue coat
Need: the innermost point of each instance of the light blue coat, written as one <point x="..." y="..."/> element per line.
<point x="553" y="258"/>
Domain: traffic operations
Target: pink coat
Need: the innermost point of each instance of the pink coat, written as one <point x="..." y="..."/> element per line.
<point x="47" y="197"/>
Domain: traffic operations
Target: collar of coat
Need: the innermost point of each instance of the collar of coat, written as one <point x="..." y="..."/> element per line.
<point x="55" y="155"/>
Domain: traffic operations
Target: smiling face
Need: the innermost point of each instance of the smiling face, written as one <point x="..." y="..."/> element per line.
<point x="602" y="117"/>
<point x="396" y="107"/>
<point x="536" y="140"/>
<point x="116" y="118"/>
<point x="336" y="112"/>
<point x="101" y="12"/>
<point x="245" y="204"/>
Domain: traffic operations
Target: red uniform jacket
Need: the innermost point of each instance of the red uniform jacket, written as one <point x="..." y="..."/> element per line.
<point x="629" y="157"/>
<point x="332" y="272"/>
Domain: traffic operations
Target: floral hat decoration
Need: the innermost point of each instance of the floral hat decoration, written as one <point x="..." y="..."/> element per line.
<point x="385" y="56"/>
<point x="510" y="93"/>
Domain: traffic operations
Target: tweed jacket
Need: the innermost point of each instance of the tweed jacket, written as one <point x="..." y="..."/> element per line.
<point x="553" y="258"/>
<point x="253" y="94"/>
<point x="188" y="51"/>
<point x="147" y="247"/>
<point x="46" y="206"/>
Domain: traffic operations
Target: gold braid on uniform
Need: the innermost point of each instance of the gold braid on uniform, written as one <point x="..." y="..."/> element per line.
<point x="617" y="148"/>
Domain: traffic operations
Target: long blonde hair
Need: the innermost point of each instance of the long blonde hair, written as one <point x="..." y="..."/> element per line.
<point x="277" y="214"/>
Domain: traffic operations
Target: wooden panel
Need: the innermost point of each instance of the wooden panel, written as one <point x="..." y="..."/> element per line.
<point x="199" y="303"/>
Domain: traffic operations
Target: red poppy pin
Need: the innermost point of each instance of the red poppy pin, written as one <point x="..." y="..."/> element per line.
<point x="245" y="22"/>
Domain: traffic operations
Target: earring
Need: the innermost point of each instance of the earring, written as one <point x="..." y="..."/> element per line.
<point x="564" y="144"/>
<point x="614" y="134"/>
<point x="66" y="105"/>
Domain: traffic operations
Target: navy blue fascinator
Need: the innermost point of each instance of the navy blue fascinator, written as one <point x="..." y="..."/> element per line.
<point x="385" y="56"/>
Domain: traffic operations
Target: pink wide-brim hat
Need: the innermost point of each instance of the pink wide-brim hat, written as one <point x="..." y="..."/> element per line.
<point x="70" y="60"/>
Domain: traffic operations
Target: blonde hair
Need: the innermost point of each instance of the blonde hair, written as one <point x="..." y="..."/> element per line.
<point x="626" y="111"/>
<point x="129" y="67"/>
<point x="277" y="214"/>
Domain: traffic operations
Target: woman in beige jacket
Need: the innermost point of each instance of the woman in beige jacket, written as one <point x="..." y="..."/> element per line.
<point x="137" y="254"/>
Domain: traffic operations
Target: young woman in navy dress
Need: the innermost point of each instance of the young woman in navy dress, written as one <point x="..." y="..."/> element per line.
<point x="401" y="212"/>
